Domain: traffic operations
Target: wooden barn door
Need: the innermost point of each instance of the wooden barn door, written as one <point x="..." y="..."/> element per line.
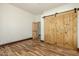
<point x="49" y="29"/>
<point x="70" y="29"/>
<point x="61" y="30"/>
<point x="35" y="30"/>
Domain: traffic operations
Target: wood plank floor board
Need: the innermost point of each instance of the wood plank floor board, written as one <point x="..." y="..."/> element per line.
<point x="47" y="51"/>
<point x="35" y="48"/>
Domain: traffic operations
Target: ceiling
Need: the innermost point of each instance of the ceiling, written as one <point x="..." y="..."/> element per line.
<point x="37" y="8"/>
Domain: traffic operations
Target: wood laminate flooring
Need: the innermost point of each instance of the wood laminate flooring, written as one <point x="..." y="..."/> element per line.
<point x="34" y="48"/>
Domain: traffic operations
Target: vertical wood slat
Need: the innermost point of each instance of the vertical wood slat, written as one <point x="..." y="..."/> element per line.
<point x="60" y="29"/>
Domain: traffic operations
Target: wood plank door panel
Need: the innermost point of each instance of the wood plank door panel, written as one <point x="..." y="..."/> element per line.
<point x="35" y="26"/>
<point x="50" y="30"/>
<point x="67" y="32"/>
<point x="59" y="29"/>
<point x="35" y="30"/>
<point x="53" y="30"/>
<point x="47" y="29"/>
<point x="35" y="35"/>
<point x="74" y="31"/>
<point x="70" y="30"/>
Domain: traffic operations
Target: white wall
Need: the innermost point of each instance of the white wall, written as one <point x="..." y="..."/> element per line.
<point x="15" y="23"/>
<point x="57" y="10"/>
<point x="37" y="18"/>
